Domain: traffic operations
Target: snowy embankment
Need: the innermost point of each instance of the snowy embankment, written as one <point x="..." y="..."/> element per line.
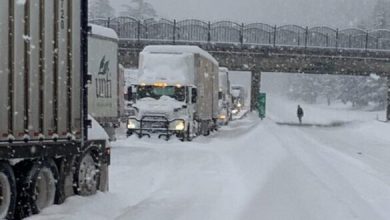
<point x="251" y="169"/>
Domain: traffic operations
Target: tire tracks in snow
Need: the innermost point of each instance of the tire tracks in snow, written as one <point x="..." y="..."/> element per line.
<point x="338" y="180"/>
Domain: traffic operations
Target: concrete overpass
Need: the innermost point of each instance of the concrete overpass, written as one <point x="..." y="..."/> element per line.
<point x="263" y="48"/>
<point x="284" y="59"/>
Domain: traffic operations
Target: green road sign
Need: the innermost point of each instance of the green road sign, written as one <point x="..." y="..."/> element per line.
<point x="261" y="103"/>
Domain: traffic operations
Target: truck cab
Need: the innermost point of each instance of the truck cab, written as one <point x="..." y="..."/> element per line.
<point x="161" y="108"/>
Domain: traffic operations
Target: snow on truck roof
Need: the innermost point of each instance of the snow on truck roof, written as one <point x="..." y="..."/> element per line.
<point x="223" y="69"/>
<point x="103" y="32"/>
<point x="179" y="49"/>
<point x="170" y="68"/>
<point x="172" y="65"/>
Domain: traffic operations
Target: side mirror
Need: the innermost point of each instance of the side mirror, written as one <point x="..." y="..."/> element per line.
<point x="220" y="95"/>
<point x="194" y="96"/>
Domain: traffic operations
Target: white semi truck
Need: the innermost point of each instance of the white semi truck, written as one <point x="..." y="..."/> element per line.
<point x="46" y="154"/>
<point x="104" y="89"/>
<point x="176" y="93"/>
<point x="225" y="97"/>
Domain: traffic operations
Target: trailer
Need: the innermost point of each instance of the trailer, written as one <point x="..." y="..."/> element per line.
<point x="225" y="103"/>
<point x="176" y="94"/>
<point x="45" y="153"/>
<point x="103" y="91"/>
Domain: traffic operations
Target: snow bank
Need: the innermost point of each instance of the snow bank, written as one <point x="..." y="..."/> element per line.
<point x="223" y="69"/>
<point x="103" y="32"/>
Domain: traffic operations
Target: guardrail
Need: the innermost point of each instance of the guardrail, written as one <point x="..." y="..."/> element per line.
<point x="249" y="34"/>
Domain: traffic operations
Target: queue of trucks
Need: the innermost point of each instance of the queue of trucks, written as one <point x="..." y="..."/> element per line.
<point x="63" y="94"/>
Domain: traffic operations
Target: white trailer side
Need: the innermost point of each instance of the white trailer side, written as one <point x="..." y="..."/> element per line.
<point x="207" y="84"/>
<point x="103" y="67"/>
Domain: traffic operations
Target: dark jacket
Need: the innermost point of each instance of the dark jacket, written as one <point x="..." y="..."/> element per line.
<point x="300" y="112"/>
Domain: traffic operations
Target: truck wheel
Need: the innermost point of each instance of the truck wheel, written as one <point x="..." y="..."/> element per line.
<point x="7" y="192"/>
<point x="40" y="186"/>
<point x="87" y="175"/>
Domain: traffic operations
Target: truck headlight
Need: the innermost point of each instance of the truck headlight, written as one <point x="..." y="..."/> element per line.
<point x="132" y="124"/>
<point x="179" y="125"/>
<point x="239" y="105"/>
<point x="222" y="117"/>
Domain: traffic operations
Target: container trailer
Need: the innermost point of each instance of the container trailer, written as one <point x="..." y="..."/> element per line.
<point x="45" y="153"/>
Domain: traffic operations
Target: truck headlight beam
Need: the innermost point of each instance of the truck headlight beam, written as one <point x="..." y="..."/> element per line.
<point x="180" y="126"/>
<point x="131" y="124"/>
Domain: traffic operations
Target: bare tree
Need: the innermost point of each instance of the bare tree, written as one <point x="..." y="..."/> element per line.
<point x="381" y="15"/>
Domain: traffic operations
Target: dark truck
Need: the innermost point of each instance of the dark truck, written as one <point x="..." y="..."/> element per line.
<point x="45" y="153"/>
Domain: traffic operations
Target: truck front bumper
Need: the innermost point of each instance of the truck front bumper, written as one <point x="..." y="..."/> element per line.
<point x="156" y="125"/>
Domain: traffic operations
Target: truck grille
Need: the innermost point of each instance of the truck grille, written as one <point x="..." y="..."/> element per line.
<point x="155" y="123"/>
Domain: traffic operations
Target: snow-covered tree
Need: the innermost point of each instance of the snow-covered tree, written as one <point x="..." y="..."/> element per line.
<point x="305" y="87"/>
<point x="358" y="90"/>
<point x="139" y="9"/>
<point x="100" y="9"/>
<point x="381" y="15"/>
<point x="379" y="18"/>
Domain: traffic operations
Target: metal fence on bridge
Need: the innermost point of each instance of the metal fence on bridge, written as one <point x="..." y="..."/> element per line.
<point x="196" y="31"/>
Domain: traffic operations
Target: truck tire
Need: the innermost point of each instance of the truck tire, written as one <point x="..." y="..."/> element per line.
<point x="40" y="186"/>
<point x="7" y="191"/>
<point x="206" y="130"/>
<point x="88" y="175"/>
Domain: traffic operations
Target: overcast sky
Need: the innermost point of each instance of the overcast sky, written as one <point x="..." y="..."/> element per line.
<point x="336" y="13"/>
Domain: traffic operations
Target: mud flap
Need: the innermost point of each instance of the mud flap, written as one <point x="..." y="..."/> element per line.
<point x="104" y="183"/>
<point x="65" y="184"/>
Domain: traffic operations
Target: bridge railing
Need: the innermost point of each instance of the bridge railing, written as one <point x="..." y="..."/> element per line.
<point x="249" y="34"/>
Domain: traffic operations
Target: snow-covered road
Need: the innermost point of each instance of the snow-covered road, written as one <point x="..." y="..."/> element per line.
<point x="251" y="169"/>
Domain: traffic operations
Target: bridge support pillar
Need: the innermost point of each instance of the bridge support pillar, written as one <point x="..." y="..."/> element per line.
<point x="255" y="90"/>
<point x="388" y="100"/>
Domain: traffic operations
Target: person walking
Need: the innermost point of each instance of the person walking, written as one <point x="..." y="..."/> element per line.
<point x="300" y="114"/>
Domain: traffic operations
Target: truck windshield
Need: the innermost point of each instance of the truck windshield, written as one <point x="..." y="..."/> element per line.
<point x="155" y="92"/>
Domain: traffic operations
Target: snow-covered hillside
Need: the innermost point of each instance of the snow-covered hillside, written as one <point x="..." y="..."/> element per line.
<point x="251" y="170"/>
